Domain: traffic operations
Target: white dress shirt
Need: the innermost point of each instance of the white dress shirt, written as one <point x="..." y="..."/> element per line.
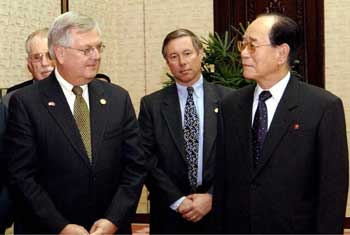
<point x="68" y="93"/>
<point x="276" y="91"/>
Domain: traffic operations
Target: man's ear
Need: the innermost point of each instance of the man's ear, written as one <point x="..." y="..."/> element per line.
<point x="283" y="53"/>
<point x="59" y="53"/>
<point x="30" y="66"/>
<point x="201" y="53"/>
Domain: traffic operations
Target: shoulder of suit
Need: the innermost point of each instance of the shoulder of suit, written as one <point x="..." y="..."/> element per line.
<point x="310" y="91"/>
<point x="20" y="85"/>
<point x="160" y="94"/>
<point x="109" y="86"/>
<point x="221" y="90"/>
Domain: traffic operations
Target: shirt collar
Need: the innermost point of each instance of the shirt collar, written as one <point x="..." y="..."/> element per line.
<point x="66" y="85"/>
<point x="197" y="86"/>
<point x="276" y="90"/>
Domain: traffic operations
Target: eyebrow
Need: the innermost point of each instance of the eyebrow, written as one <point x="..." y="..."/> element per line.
<point x="93" y="45"/>
<point x="250" y="38"/>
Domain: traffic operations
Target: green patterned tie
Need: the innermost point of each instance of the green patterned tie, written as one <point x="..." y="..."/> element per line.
<point x="82" y="118"/>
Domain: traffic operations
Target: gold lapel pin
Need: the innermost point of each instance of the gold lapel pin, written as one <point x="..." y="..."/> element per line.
<point x="51" y="103"/>
<point x="216" y="110"/>
<point x="103" y="101"/>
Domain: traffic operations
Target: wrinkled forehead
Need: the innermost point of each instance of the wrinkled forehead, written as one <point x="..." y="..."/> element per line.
<point x="259" y="29"/>
<point x="38" y="44"/>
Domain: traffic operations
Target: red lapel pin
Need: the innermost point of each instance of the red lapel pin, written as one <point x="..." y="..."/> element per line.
<point x="296" y="126"/>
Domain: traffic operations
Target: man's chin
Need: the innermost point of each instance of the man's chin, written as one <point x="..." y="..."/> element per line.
<point x="44" y="75"/>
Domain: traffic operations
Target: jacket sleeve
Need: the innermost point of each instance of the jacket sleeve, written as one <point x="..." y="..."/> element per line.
<point x="125" y="200"/>
<point x="332" y="170"/>
<point x="23" y="164"/>
<point x="156" y="177"/>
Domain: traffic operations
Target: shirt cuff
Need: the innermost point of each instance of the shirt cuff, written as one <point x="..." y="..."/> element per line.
<point x="177" y="203"/>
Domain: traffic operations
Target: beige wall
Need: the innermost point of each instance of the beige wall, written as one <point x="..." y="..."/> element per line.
<point x="133" y="32"/>
<point x="337" y="54"/>
<point x="18" y="18"/>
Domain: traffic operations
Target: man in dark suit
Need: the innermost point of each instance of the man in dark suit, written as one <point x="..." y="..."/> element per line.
<point x="286" y="171"/>
<point x="180" y="201"/>
<point x="40" y="66"/>
<point x="39" y="62"/>
<point x="5" y="203"/>
<point x="76" y="165"/>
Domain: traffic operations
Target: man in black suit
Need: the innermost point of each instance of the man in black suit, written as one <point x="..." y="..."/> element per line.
<point x="76" y="165"/>
<point x="39" y="62"/>
<point x="286" y="171"/>
<point x="5" y="203"/>
<point x="180" y="201"/>
<point x="40" y="66"/>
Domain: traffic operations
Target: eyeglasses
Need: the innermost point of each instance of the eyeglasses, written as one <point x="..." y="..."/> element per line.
<point x="241" y="45"/>
<point x="89" y="50"/>
<point x="37" y="57"/>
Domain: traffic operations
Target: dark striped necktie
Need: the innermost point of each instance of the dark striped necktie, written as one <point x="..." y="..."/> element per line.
<point x="259" y="129"/>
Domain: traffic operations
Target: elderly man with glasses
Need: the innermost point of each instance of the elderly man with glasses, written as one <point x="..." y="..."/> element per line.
<point x="282" y="160"/>
<point x="39" y="62"/>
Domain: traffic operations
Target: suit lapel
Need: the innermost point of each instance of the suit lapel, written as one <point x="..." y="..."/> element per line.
<point x="283" y="116"/>
<point x="172" y="115"/>
<point x="242" y="121"/>
<point x="99" y="103"/>
<point x="55" y="102"/>
<point x="210" y="122"/>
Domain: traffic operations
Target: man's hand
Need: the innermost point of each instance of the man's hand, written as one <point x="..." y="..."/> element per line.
<point x="103" y="226"/>
<point x="201" y="205"/>
<point x="185" y="206"/>
<point x="73" y="229"/>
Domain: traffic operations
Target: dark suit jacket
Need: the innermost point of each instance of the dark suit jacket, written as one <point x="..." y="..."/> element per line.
<point x="163" y="142"/>
<point x="50" y="174"/>
<point x="3" y="115"/>
<point x="5" y="203"/>
<point x="20" y="85"/>
<point x="302" y="182"/>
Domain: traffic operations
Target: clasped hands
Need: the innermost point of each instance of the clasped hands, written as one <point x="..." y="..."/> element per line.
<point x="195" y="206"/>
<point x="101" y="226"/>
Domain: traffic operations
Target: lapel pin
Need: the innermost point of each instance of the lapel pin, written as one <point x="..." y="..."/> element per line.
<point x="296" y="126"/>
<point x="216" y="110"/>
<point x="103" y="101"/>
<point x="51" y="103"/>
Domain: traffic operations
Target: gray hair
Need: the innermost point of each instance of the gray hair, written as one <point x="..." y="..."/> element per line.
<point x="60" y="30"/>
<point x="42" y="33"/>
